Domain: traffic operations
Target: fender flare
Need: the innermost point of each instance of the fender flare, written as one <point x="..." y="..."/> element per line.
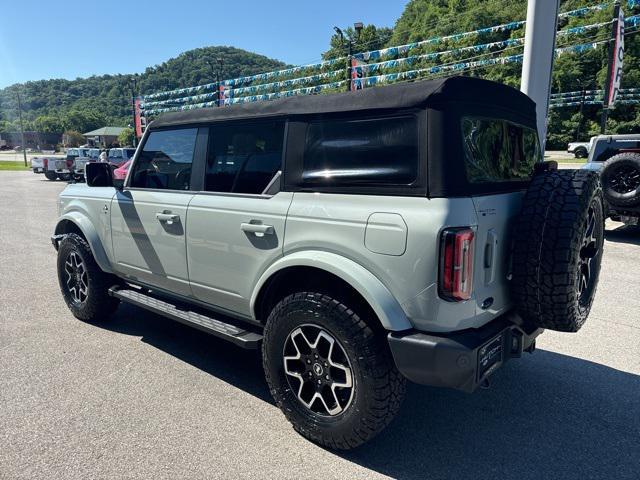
<point x="90" y="233"/>
<point x="383" y="303"/>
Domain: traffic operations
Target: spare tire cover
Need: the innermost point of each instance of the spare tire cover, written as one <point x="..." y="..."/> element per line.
<point x="620" y="178"/>
<point x="557" y="249"/>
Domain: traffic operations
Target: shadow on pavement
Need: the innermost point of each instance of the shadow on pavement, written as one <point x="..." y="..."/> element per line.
<point x="545" y="416"/>
<point x="624" y="234"/>
<point x="223" y="360"/>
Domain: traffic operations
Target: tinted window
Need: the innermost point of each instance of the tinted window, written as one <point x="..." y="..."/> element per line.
<point x="165" y="161"/>
<point x="498" y="151"/>
<point x="244" y="158"/>
<point x="361" y="151"/>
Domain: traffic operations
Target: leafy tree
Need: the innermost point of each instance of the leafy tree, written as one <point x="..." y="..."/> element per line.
<point x="126" y="137"/>
<point x="73" y="138"/>
<point x="370" y="38"/>
<point x="48" y="124"/>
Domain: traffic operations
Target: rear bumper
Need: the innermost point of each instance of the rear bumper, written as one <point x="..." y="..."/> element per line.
<point x="461" y="360"/>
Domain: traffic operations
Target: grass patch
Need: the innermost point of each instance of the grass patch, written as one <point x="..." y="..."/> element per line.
<point x="13" y="166"/>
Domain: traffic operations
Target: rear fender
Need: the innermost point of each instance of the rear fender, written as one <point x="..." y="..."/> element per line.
<point x="383" y="303"/>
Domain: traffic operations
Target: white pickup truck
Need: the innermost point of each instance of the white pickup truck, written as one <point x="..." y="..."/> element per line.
<point x="87" y="155"/>
<point x="38" y="164"/>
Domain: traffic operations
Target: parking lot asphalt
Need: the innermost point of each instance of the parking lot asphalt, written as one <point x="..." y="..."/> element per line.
<point x="143" y="397"/>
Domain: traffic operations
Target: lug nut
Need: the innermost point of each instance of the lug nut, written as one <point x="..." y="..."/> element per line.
<point x="319" y="382"/>
<point x="327" y="377"/>
<point x="308" y="361"/>
<point x="315" y="355"/>
<point x="325" y="364"/>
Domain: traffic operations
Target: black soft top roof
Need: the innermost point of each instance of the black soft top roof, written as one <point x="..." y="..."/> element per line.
<point x="392" y="97"/>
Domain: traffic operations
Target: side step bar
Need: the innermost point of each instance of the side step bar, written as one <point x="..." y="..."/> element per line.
<point x="243" y="338"/>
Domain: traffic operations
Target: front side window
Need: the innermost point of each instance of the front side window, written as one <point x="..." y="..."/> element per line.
<point x="369" y="151"/>
<point x="244" y="158"/>
<point x="165" y="161"/>
<point x="498" y="151"/>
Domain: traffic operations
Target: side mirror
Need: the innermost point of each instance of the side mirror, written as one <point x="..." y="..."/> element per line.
<point x="100" y="175"/>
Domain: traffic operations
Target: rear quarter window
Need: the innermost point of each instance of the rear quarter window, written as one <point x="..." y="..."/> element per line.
<point x="361" y="151"/>
<point x="498" y="151"/>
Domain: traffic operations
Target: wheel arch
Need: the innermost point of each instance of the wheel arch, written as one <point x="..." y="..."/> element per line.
<point x="75" y="222"/>
<point x="300" y="269"/>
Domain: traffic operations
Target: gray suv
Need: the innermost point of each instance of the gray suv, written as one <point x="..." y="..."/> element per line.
<point x="359" y="239"/>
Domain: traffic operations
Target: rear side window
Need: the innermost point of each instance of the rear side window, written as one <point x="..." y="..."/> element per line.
<point x="165" y="161"/>
<point x="244" y="158"/>
<point x="498" y="151"/>
<point x="368" y="151"/>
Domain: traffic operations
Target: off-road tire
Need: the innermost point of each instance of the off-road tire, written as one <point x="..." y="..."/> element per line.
<point x="559" y="210"/>
<point x="51" y="175"/>
<point x="378" y="387"/>
<point x="98" y="305"/>
<point x="614" y="167"/>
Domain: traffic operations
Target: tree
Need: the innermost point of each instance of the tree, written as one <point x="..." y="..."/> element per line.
<point x="126" y="137"/>
<point x="73" y="138"/>
<point x="48" y="124"/>
<point x="370" y="38"/>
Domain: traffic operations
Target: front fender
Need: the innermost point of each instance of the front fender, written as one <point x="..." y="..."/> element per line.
<point x="383" y="303"/>
<point x="90" y="233"/>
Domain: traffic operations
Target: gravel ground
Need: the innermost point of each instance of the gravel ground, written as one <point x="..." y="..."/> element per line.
<point x="143" y="397"/>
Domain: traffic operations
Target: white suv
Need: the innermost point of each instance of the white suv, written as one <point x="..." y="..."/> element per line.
<point x="361" y="239"/>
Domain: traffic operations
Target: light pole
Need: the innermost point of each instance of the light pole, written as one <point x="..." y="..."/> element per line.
<point x="220" y="61"/>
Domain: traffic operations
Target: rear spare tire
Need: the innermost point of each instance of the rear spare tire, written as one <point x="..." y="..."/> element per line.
<point x="620" y="178"/>
<point x="557" y="249"/>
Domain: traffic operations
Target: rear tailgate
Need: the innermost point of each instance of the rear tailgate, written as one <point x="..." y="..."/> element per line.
<point x="496" y="215"/>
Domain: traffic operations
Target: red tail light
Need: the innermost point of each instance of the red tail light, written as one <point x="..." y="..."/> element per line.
<point x="456" y="264"/>
<point x="45" y="163"/>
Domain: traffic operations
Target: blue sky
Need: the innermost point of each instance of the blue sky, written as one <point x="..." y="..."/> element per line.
<point x="41" y="39"/>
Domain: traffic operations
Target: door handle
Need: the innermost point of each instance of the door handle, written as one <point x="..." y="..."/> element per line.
<point x="256" y="228"/>
<point x="168" y="218"/>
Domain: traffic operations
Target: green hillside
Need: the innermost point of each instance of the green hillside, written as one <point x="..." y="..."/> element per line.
<point x="84" y="104"/>
<point x="88" y="103"/>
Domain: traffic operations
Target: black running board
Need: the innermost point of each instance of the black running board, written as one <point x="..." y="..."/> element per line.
<point x="243" y="338"/>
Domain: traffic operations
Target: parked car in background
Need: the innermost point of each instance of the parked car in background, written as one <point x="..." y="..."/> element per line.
<point x="120" y="173"/>
<point x="118" y="156"/>
<point x="579" y="149"/>
<point x="87" y="155"/>
<point x="617" y="158"/>
<point x="37" y="164"/>
<point x="62" y="167"/>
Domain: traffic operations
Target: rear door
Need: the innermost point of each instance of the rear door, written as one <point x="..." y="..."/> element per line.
<point x="149" y="216"/>
<point x="235" y="226"/>
<point x="499" y="155"/>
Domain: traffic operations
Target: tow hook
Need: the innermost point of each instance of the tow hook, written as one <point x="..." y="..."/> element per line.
<point x="531" y="348"/>
<point x="484" y="385"/>
<point x="56" y="239"/>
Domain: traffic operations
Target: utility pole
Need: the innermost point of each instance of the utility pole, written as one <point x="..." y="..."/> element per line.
<point x="539" y="52"/>
<point x="133" y="107"/>
<point x="610" y="62"/>
<point x="358" y="26"/>
<point x="24" y="146"/>
<point x="220" y="61"/>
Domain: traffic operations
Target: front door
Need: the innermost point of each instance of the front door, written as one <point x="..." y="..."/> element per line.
<point x="149" y="216"/>
<point x="235" y="228"/>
